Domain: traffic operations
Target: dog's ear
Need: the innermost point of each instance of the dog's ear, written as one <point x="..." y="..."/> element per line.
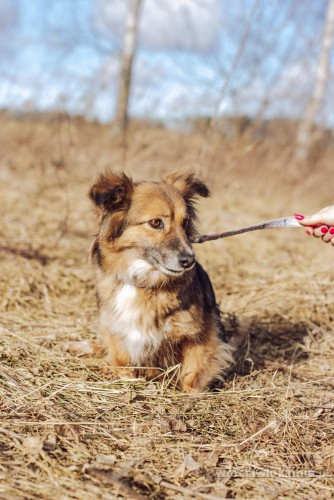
<point x="112" y="192"/>
<point x="188" y="185"/>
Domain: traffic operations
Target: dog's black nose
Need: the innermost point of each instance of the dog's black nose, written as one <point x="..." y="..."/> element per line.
<point x="186" y="260"/>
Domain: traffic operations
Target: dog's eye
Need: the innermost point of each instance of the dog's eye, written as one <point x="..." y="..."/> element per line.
<point x="185" y="224"/>
<point x="156" y="223"/>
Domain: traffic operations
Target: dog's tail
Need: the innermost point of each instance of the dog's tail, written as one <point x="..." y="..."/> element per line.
<point x="232" y="330"/>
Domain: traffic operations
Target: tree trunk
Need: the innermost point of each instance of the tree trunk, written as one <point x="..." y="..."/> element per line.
<point x="304" y="133"/>
<point x="126" y="65"/>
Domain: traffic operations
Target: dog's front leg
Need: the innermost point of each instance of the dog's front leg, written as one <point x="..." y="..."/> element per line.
<point x="202" y="363"/>
<point x="117" y="357"/>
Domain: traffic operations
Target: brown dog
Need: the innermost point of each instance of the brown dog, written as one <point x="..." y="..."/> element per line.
<point x="157" y="306"/>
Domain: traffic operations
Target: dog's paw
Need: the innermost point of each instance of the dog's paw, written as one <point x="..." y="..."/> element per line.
<point x="192" y="384"/>
<point x="82" y="348"/>
<point x="241" y="333"/>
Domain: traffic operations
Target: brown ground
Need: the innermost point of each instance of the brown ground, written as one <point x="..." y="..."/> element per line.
<point x="67" y="428"/>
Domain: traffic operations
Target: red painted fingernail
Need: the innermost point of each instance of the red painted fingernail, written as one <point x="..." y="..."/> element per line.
<point x="309" y="232"/>
<point x="299" y="217"/>
<point x="324" y="229"/>
<point x="331" y="231"/>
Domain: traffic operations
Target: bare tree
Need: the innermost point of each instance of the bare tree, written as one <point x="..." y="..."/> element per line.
<point x="127" y="63"/>
<point x="304" y="134"/>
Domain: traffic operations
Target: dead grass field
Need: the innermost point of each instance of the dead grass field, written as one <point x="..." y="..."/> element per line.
<point x="68" y="430"/>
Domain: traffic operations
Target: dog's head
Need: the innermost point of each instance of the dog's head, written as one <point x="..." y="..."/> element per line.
<point x="148" y="225"/>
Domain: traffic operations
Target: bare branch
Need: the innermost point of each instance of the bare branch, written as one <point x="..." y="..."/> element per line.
<point x="304" y="135"/>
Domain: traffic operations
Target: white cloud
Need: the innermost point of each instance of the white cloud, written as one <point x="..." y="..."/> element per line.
<point x="166" y="24"/>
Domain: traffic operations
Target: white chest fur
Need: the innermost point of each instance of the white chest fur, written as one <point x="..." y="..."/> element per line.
<point x="125" y="316"/>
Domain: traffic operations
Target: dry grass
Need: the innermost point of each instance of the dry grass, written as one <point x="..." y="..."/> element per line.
<point x="68" y="429"/>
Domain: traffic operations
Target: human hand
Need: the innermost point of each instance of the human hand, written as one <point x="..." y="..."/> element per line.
<point x="319" y="225"/>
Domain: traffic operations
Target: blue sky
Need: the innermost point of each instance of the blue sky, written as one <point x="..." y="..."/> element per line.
<point x="195" y="57"/>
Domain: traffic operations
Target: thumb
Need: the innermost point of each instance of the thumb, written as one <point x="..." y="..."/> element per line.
<point x="311" y="220"/>
<point x="323" y="217"/>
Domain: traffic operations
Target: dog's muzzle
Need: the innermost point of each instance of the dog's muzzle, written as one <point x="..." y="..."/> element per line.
<point x="186" y="259"/>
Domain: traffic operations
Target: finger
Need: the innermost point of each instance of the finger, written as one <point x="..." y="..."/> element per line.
<point x="324" y="216"/>
<point x="309" y="220"/>
<point x="328" y="235"/>
<point x="332" y="242"/>
<point x="309" y="230"/>
<point x="319" y="232"/>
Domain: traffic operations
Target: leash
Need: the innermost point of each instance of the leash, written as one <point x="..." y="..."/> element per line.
<point x="282" y="222"/>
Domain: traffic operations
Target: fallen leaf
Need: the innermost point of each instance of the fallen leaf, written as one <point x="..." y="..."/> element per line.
<point x="176" y="424"/>
<point x="67" y="431"/>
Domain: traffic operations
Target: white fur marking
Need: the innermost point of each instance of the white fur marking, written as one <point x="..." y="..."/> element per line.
<point x="124" y="318"/>
<point x="142" y="271"/>
<point x="139" y="268"/>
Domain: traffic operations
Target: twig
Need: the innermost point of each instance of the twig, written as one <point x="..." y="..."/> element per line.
<point x="272" y="425"/>
<point x="281" y="222"/>
<point x="54" y="422"/>
<point x="27" y="254"/>
<point x="187" y="491"/>
<point x="108" y="477"/>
